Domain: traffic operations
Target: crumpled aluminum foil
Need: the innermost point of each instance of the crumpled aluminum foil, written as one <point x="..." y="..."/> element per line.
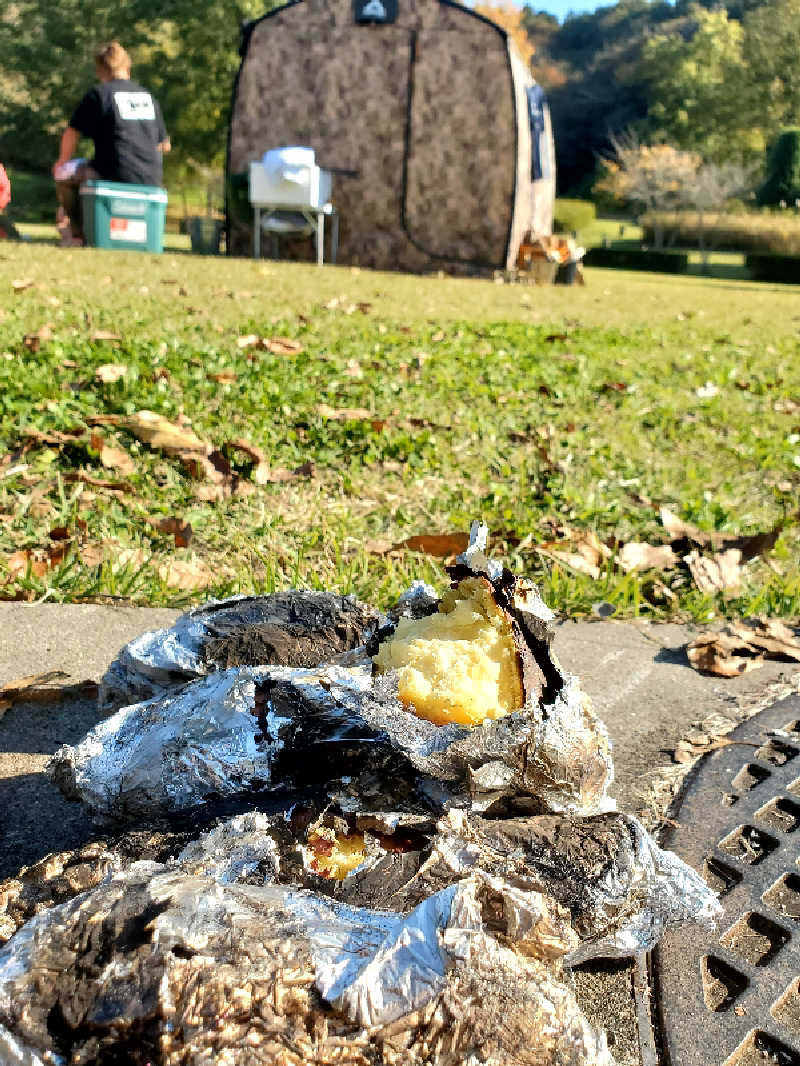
<point x="169" y="951"/>
<point x="163" y="660"/>
<point x="252" y="728"/>
<point x="621" y="890"/>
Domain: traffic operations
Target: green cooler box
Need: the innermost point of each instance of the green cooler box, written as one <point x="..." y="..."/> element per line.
<point x="124" y="216"/>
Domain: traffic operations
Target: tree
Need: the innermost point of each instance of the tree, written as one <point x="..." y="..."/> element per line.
<point x="655" y="177"/>
<point x="185" y="52"/>
<point x="783" y="171"/>
<point x="695" y="73"/>
<point x="711" y="187"/>
<point x="770" y="51"/>
<point x="510" y="18"/>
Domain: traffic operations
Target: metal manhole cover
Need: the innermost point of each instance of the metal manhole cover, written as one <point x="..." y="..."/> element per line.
<point x="732" y="997"/>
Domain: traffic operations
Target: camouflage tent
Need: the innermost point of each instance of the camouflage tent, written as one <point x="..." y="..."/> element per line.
<point x="438" y="138"/>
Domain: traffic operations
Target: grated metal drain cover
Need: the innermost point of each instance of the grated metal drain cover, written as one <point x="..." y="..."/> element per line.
<point x="732" y="997"/>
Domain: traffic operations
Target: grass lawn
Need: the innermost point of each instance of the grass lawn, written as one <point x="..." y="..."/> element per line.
<point x="404" y="406"/>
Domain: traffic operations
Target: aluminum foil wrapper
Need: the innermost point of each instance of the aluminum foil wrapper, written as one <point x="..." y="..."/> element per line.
<point x="255" y="728"/>
<point x="293" y="628"/>
<point x="185" y="970"/>
<point x="620" y="890"/>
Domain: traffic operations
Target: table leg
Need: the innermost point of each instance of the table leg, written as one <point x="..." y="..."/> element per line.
<point x="334" y="236"/>
<point x="320" y="237"/>
<point x="256" y="232"/>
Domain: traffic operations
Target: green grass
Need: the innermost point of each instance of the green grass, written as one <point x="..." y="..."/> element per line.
<point x="457" y="376"/>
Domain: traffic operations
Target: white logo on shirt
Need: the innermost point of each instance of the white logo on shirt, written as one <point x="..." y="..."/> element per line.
<point x="135" y="106"/>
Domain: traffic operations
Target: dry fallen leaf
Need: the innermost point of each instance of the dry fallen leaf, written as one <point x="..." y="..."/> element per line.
<point x="250" y="340"/>
<point x="350" y="414"/>
<point x="750" y="545"/>
<point x="33" y="341"/>
<point x="716" y="573"/>
<point x="92" y="555"/>
<point x="440" y="545"/>
<point x="776" y="639"/>
<point x="105" y="335"/>
<point x="116" y="459"/>
<point x="261" y="472"/>
<point x="185" y="575"/>
<point x="174" y="527"/>
<point x="39" y="560"/>
<point x="98" y="482"/>
<point x="108" y="373"/>
<point x="29" y="688"/>
<point x="723" y="655"/>
<point x="20" y="285"/>
<point x="786" y="406"/>
<point x="223" y="377"/>
<point x="639" y="556"/>
<point x="588" y="558"/>
<point x="164" y="435"/>
<point x="283" y="346"/>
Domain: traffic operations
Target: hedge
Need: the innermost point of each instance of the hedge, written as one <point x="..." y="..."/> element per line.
<point x="660" y="262"/>
<point x="757" y="231"/>
<point x="571" y="216"/>
<point x="782" y="268"/>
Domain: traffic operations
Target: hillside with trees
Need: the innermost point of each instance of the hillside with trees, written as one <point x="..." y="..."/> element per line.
<point x="719" y="81"/>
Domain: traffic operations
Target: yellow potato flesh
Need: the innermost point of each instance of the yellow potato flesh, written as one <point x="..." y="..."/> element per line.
<point x="334" y="855"/>
<point x="459" y="665"/>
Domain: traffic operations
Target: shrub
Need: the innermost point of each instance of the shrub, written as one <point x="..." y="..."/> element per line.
<point x="752" y="231"/>
<point x="33" y="197"/>
<point x="570" y="216"/>
<point x="658" y="261"/>
<point x="781" y="268"/>
<point x="783" y="171"/>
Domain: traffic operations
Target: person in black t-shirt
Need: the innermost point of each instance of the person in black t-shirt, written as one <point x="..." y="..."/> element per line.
<point x="125" y="122"/>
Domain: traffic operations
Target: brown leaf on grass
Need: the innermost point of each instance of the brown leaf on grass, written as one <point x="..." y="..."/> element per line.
<point x="350" y="414"/>
<point x="116" y="459"/>
<point x="786" y="406"/>
<point x="98" y="482"/>
<point x="173" y="527"/>
<point x="191" y="574"/>
<point x="440" y="545"/>
<point x="36" y="560"/>
<point x="223" y="377"/>
<point x="34" y="341"/>
<point x="551" y="338"/>
<point x="283" y="346"/>
<point x="260" y="473"/>
<point x="250" y="340"/>
<point x="92" y="554"/>
<point x="20" y="285"/>
<point x="749" y="545"/>
<point x="588" y="557"/>
<point x="636" y="555"/>
<point x="716" y="573"/>
<point x="105" y="335"/>
<point x="380" y="547"/>
<point x="54" y="437"/>
<point x="353" y="369"/>
<point x="159" y="433"/>
<point x="614" y="386"/>
<point x="281" y="474"/>
<point x="59" y="533"/>
<point x="109" y="373"/>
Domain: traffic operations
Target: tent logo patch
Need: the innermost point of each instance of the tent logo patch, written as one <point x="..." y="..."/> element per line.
<point x="135" y="106"/>
<point x="375" y="10"/>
